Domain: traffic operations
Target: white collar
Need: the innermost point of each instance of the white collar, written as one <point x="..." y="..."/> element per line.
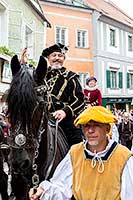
<point x="91" y="88"/>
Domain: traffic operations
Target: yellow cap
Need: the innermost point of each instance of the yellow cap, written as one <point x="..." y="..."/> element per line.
<point x="97" y="114"/>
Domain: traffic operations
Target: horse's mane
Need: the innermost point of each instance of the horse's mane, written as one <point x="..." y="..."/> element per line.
<point x="22" y="96"/>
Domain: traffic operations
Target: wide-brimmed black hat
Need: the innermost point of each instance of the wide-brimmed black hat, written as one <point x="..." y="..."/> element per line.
<point x="55" y="48"/>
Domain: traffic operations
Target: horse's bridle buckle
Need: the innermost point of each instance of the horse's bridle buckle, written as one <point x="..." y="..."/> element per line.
<point x="35" y="180"/>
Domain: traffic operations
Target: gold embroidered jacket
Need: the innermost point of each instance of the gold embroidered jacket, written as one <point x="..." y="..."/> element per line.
<point x="65" y="91"/>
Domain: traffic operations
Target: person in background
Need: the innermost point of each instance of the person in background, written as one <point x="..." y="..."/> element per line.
<point x="98" y="168"/>
<point x="3" y="175"/>
<point x="65" y="95"/>
<point x="131" y="112"/>
<point x="119" y="114"/>
<point x="2" y="120"/>
<point x="114" y="134"/>
<point x="92" y="94"/>
<point x="126" y="131"/>
<point x="3" y="125"/>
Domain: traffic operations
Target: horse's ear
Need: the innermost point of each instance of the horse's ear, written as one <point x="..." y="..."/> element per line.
<point x="41" y="68"/>
<point x="15" y="65"/>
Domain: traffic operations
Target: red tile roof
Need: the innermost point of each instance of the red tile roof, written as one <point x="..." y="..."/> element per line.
<point x="111" y="10"/>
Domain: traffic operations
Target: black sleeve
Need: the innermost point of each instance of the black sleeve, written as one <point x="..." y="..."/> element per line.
<point x="76" y="97"/>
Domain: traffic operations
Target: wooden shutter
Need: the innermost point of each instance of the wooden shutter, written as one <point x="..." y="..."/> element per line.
<point x="108" y="82"/>
<point x="120" y="80"/>
<point x="128" y="84"/>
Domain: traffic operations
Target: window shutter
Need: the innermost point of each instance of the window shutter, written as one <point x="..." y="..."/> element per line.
<point x="108" y="82"/>
<point x="128" y="85"/>
<point x="120" y="80"/>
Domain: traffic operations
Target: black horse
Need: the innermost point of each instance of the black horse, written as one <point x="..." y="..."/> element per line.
<point x="36" y="142"/>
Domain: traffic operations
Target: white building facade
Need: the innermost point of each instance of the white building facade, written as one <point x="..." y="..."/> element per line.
<point x="22" y="24"/>
<point x="113" y="60"/>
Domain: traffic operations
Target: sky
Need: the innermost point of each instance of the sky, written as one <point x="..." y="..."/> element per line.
<point x="125" y="5"/>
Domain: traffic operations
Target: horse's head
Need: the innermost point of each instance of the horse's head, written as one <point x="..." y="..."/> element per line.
<point x="26" y="106"/>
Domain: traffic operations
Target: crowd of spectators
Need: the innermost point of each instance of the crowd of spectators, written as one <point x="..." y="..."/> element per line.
<point x="124" y="127"/>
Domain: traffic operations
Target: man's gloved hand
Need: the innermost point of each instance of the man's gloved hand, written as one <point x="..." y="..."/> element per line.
<point x="59" y="115"/>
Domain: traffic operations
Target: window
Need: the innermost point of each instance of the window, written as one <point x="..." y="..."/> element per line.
<point x="82" y="77"/>
<point x="0" y="30"/>
<point x="130" y="43"/>
<point x="6" y="73"/>
<point x="130" y="80"/>
<point x="29" y="41"/>
<point x="82" y="38"/>
<point x="112" y="37"/>
<point x="113" y="79"/>
<point x="61" y="35"/>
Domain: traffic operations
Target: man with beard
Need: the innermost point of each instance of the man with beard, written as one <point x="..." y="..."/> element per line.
<point x="66" y="99"/>
<point x="98" y="168"/>
<point x="65" y="95"/>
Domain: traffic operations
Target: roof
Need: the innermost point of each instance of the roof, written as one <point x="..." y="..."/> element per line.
<point x="73" y="3"/>
<point x="76" y="3"/>
<point x="36" y="6"/>
<point x="109" y="9"/>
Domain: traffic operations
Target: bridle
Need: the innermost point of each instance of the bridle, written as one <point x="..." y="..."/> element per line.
<point x="18" y="136"/>
<point x="35" y="177"/>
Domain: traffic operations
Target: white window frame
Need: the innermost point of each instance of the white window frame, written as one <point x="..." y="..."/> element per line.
<point x="60" y="36"/>
<point x="116" y="68"/>
<point x="131" y="36"/>
<point x="82" y="77"/>
<point x="128" y="53"/>
<point x="4" y="24"/>
<point x="113" y="39"/>
<point x="130" y="80"/>
<point x="112" y="80"/>
<point x="115" y="48"/>
<point x="86" y="38"/>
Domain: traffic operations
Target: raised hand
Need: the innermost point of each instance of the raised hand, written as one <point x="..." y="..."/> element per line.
<point x="24" y="56"/>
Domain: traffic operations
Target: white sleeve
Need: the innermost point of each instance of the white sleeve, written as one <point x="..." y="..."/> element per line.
<point x="115" y="133"/>
<point x="60" y="185"/>
<point x="127" y="181"/>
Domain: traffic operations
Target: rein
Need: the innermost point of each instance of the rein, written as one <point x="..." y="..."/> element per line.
<point x="27" y="110"/>
<point x="55" y="150"/>
<point x="35" y="178"/>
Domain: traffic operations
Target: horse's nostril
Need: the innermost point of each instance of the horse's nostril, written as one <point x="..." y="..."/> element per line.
<point x="26" y="164"/>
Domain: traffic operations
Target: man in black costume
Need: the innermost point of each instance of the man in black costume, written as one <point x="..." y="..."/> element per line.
<point x="66" y="99"/>
<point x="126" y="131"/>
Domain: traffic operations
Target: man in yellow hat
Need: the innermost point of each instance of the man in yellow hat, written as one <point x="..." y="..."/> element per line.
<point x="98" y="168"/>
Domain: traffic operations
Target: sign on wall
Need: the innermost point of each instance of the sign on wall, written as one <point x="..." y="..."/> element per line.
<point x="6" y="73"/>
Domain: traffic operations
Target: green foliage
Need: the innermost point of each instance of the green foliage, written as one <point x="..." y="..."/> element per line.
<point x="32" y="62"/>
<point x="5" y="50"/>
